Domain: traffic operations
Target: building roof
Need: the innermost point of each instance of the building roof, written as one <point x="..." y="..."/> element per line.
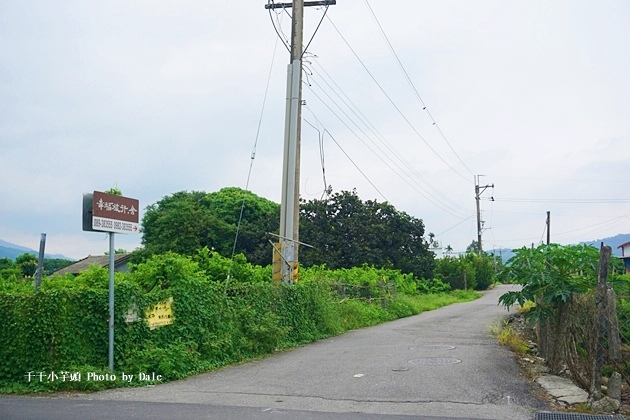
<point x="623" y="251"/>
<point x="100" y="260"/>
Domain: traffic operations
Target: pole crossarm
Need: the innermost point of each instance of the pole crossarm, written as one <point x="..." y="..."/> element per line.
<point x="289" y="239"/>
<point x="306" y="4"/>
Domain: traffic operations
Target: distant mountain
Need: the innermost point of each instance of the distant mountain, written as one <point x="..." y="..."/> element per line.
<point x="503" y="253"/>
<point x="9" y="250"/>
<point x="613" y="242"/>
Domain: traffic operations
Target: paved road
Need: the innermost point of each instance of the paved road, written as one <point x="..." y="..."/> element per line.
<point x="439" y="364"/>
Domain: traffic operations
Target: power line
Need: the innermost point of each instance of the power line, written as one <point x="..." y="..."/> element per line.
<point x="393" y="103"/>
<point x="316" y="29"/>
<point x="453" y="227"/>
<point x="320" y="136"/>
<point x="606" y="181"/>
<point x="347" y="101"/>
<point x="566" y="200"/>
<point x="252" y="157"/>
<point x="355" y="165"/>
<point x="279" y="32"/>
<point x="413" y="87"/>
<point x="351" y="161"/>
<point x="446" y="209"/>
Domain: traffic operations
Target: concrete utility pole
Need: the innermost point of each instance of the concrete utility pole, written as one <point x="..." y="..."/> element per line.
<point x="548" y="227"/>
<point x="290" y="202"/>
<point x="40" y="261"/>
<point x="478" y="191"/>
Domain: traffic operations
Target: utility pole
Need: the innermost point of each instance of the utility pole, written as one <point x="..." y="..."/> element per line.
<point x="290" y="201"/>
<point x="548" y="227"/>
<point x="478" y="191"/>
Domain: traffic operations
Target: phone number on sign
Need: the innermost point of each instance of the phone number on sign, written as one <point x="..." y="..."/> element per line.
<point x="113" y="224"/>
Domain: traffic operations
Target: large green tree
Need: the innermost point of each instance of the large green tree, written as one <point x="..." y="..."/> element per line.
<point x="469" y="271"/>
<point x="27" y="263"/>
<point x="343" y="230"/>
<point x="186" y="221"/>
<point x="348" y="232"/>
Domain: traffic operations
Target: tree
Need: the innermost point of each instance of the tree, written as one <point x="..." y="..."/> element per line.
<point x="53" y="264"/>
<point x="8" y="270"/>
<point x="484" y="269"/>
<point x="551" y="275"/>
<point x="187" y="221"/>
<point x="347" y="232"/>
<point x="473" y="247"/>
<point x="27" y="263"/>
<point x="469" y="271"/>
<point x="6" y="263"/>
<point x="114" y="191"/>
<point x="456" y="272"/>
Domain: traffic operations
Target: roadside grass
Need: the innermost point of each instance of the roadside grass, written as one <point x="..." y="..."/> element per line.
<point x="508" y="336"/>
<point x="429" y="302"/>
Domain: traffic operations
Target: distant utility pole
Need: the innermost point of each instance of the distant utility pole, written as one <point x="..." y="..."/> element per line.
<point x="290" y="202"/>
<point x="548" y="227"/>
<point x="478" y="191"/>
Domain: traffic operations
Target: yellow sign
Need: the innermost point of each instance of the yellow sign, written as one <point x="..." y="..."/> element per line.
<point x="160" y="314"/>
<point x="277" y="263"/>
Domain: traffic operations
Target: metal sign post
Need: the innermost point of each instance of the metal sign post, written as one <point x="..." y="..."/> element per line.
<point x="111" y="302"/>
<point x="110" y="213"/>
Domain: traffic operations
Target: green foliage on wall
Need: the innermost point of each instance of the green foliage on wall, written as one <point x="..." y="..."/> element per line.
<point x="61" y="330"/>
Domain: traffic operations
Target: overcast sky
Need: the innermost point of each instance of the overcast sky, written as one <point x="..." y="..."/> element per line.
<point x="414" y="98"/>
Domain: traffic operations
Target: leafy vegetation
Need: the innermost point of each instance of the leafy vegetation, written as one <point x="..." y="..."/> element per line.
<point x="550" y="275"/>
<point x="25" y="266"/>
<point x="347" y="232"/>
<point x="344" y="231"/>
<point x="61" y="330"/>
<point x="557" y="290"/>
<point x="469" y="271"/>
<point x="370" y="263"/>
<point x="187" y="221"/>
<point x="507" y="336"/>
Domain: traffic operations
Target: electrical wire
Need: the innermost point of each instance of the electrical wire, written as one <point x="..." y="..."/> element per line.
<point x="315" y="32"/>
<point x="453" y="227"/>
<point x="430" y="199"/>
<point x="278" y="32"/>
<point x="566" y="200"/>
<point x="320" y="136"/>
<point x="394" y="104"/>
<point x="325" y="131"/>
<point x="413" y="87"/>
<point x="350" y="159"/>
<point x="597" y="227"/>
<point x="347" y="101"/>
<point x="252" y="158"/>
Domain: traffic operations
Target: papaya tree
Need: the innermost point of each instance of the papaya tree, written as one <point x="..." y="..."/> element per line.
<point x="551" y="276"/>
